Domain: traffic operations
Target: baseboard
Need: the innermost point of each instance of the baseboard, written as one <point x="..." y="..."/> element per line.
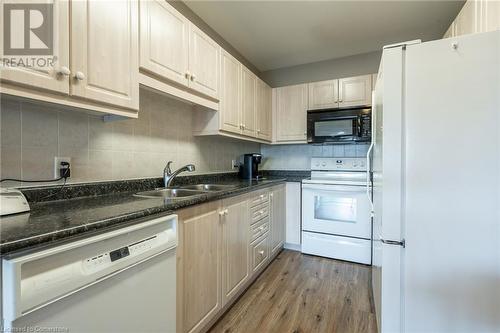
<point x="293" y="247"/>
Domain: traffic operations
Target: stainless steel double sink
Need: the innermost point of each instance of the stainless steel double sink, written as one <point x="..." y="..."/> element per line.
<point x="184" y="191"/>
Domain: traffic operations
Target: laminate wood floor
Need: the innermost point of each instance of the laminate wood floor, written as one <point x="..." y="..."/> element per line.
<point x="300" y="294"/>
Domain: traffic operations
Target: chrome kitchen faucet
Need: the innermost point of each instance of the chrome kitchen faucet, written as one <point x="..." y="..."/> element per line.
<point x="168" y="175"/>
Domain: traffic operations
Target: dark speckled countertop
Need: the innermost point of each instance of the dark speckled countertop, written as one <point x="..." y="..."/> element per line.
<point x="50" y="222"/>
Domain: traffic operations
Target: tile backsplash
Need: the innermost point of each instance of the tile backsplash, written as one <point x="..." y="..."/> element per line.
<point x="33" y="134"/>
<point x="298" y="157"/>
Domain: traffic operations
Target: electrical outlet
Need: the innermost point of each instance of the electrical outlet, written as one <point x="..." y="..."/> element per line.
<point x="57" y="164"/>
<point x="234" y="165"/>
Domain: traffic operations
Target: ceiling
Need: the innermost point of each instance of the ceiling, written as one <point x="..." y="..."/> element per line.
<point x="277" y="34"/>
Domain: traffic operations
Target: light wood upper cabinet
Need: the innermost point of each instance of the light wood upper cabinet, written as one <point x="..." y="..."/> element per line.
<point x="235" y="245"/>
<point x="278" y="217"/>
<point x="346" y="92"/>
<point x="203" y="63"/>
<point x="230" y="93"/>
<point x="199" y="267"/>
<point x="164" y="41"/>
<point x="245" y="104"/>
<point x="323" y="94"/>
<point x="374" y="80"/>
<point x="491" y="15"/>
<point x="475" y="16"/>
<point x="104" y="51"/>
<point x="54" y="78"/>
<point x="451" y="31"/>
<point x="290" y="113"/>
<point x="248" y="102"/>
<point x="355" y="91"/>
<point x="468" y="20"/>
<point x="174" y="49"/>
<point x="264" y="111"/>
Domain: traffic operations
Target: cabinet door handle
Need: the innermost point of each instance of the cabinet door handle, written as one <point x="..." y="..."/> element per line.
<point x="193" y="77"/>
<point x="79" y="76"/>
<point x="64" y="71"/>
<point x="187" y="75"/>
<point x="262" y="196"/>
<point x="261" y="253"/>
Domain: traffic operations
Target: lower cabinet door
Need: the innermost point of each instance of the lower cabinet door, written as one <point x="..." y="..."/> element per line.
<point x="235" y="246"/>
<point x="278" y="217"/>
<point x="199" y="267"/>
<point x="260" y="253"/>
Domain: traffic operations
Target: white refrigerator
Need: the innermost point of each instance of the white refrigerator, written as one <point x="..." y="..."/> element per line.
<point x="435" y="163"/>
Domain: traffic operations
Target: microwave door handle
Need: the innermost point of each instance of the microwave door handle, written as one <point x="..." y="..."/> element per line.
<point x="359" y="127"/>
<point x="340" y="136"/>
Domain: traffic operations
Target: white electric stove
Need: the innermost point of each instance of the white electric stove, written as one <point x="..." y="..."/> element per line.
<point x="336" y="220"/>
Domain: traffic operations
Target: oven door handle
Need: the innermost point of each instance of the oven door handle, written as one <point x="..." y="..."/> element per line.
<point x="337" y="188"/>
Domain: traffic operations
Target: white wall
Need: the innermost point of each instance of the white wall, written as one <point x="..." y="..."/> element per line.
<point x="360" y="64"/>
<point x="32" y="135"/>
<point x="298" y="157"/>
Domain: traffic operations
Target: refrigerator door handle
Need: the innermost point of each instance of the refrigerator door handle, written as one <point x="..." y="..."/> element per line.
<point x="368" y="177"/>
<point x="393" y="242"/>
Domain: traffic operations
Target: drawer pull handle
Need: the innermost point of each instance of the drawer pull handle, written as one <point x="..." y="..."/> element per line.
<point x="262" y="196"/>
<point x="261" y="253"/>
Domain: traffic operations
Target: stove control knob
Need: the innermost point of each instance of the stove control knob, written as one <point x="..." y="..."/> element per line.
<point x="323" y="164"/>
<point x="354" y="164"/>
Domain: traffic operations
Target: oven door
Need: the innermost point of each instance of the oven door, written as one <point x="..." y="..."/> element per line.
<point x="336" y="210"/>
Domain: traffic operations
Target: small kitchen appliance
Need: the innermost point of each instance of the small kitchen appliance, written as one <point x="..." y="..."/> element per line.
<point x="336" y="210"/>
<point x="249" y="169"/>
<point x="12" y="201"/>
<point x="339" y="126"/>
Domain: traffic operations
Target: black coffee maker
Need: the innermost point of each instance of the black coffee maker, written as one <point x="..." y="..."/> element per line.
<point x="249" y="169"/>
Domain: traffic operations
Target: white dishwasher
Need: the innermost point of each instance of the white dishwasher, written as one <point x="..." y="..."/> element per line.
<point x="120" y="281"/>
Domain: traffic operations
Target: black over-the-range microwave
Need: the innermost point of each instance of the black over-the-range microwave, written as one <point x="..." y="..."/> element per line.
<point x="339" y="126"/>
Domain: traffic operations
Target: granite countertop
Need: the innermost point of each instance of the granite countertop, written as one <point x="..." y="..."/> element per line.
<point x="53" y="221"/>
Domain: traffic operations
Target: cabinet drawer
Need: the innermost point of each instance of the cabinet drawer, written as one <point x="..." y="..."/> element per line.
<point x="260" y="253"/>
<point x="257" y="213"/>
<point x="259" y="229"/>
<point x="259" y="198"/>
